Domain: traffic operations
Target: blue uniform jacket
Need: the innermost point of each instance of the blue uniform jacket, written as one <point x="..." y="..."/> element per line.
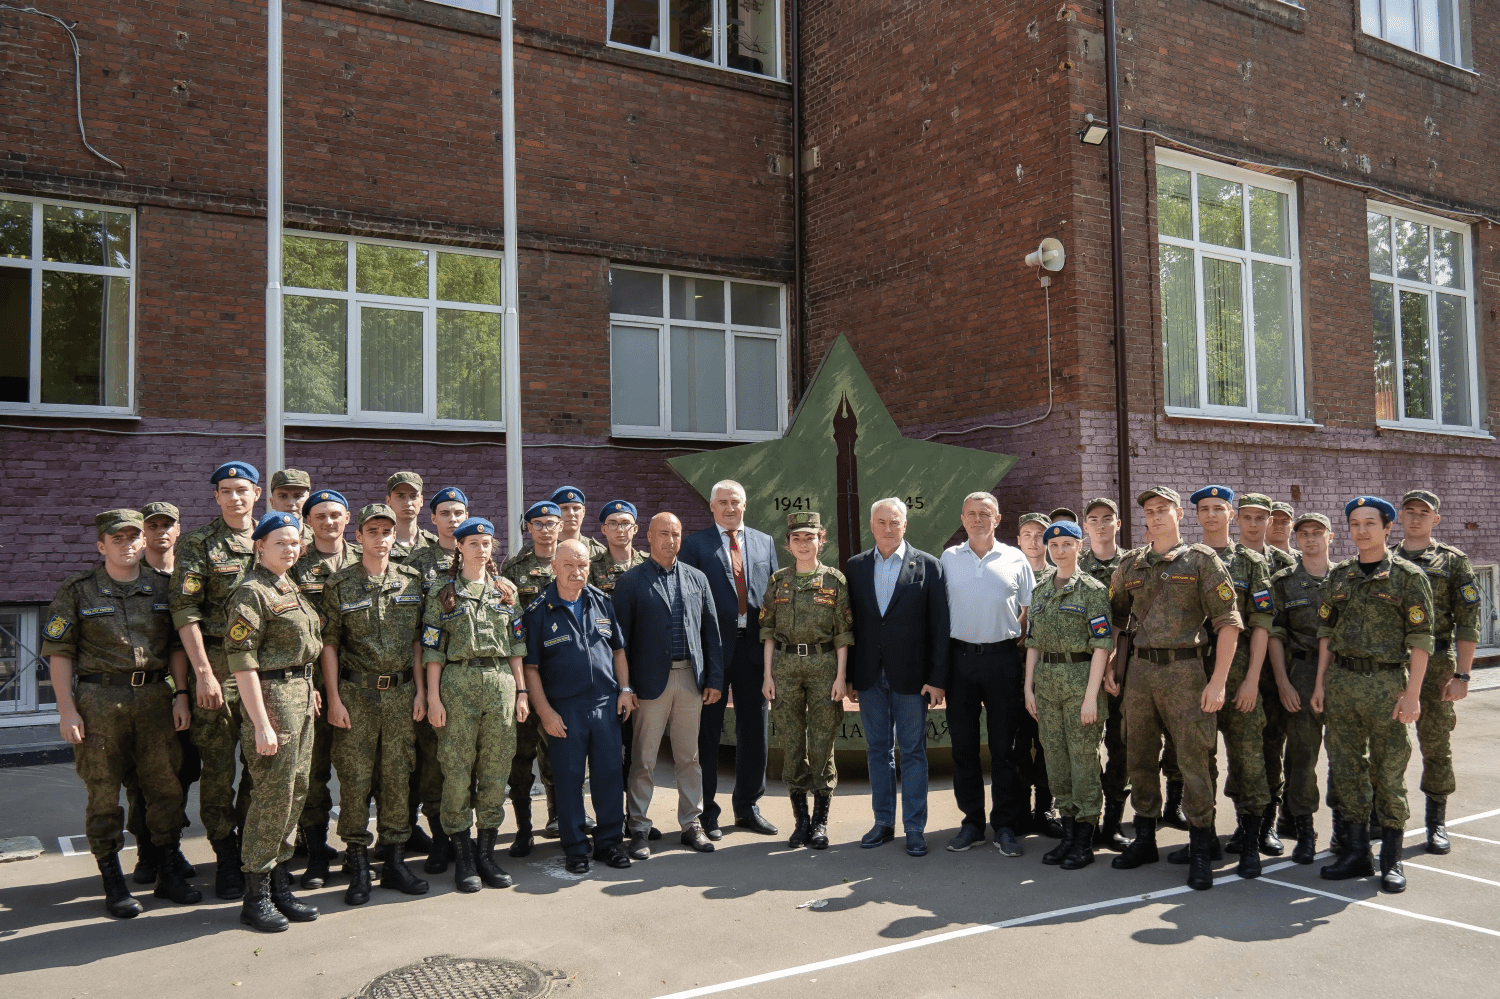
<point x="574" y="658"/>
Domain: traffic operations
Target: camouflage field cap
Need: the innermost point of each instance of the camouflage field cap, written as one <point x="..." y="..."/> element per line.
<point x="1088" y="507"/>
<point x="1165" y="492"/>
<point x="1256" y="499"/>
<point x="1063" y="513"/>
<point x="159" y="508"/>
<point x="375" y="510"/>
<point x="404" y="479"/>
<point x="1280" y="507"/>
<point x="115" y="521"/>
<point x="807" y="520"/>
<point x="1425" y="496"/>
<point x="1034" y="517"/>
<point x="1313" y="518"/>
<point x="291" y="477"/>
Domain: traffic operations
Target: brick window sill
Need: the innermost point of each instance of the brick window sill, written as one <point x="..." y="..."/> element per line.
<point x="1395" y="428"/>
<point x="1193" y="420"/>
<point x="1415" y="62"/>
<point x="1277" y="12"/>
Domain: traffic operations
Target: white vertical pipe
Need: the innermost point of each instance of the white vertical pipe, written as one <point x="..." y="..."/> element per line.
<point x="515" y="491"/>
<point x="275" y="446"/>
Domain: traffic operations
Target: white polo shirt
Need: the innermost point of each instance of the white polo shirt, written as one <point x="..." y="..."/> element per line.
<point x="986" y="595"/>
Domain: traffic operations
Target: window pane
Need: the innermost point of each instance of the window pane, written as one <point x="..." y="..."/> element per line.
<point x="15" y="335"/>
<point x="1383" y="303"/>
<point x="701" y="299"/>
<point x="390" y="360"/>
<point x="1453" y="359"/>
<point x="85" y="236"/>
<point x="315" y="263"/>
<point x="634" y="376"/>
<point x="85" y="339"/>
<point x="10" y="688"/>
<point x="693" y="28"/>
<point x="1411" y="250"/>
<point x="1269" y="231"/>
<point x="15" y="229"/>
<point x="315" y="331"/>
<point x="1380" y="243"/>
<point x="1275" y="357"/>
<point x="1180" y="326"/>
<point x="1221" y="213"/>
<point x="1428" y="31"/>
<point x="1174" y="202"/>
<point x="390" y="270"/>
<point x="1447" y="258"/>
<point x="468" y="363"/>
<point x="1400" y="24"/>
<point x="638" y="23"/>
<point x="1224" y="331"/>
<point x="699" y="394"/>
<point x="754" y="383"/>
<point x="1369" y="16"/>
<point x="466" y="277"/>
<point x="634" y="293"/>
<point x="1416" y="364"/>
<point x="755" y="305"/>
<point x="751" y="33"/>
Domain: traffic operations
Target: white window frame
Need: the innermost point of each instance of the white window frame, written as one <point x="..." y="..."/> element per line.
<point x="1488" y="578"/>
<point x="663" y="325"/>
<point x="1372" y="21"/>
<point x="1246" y="179"/>
<point x="38" y="266"/>
<point x="477" y="6"/>
<point x="721" y="40"/>
<point x="25" y="709"/>
<point x="354" y="301"/>
<point x="1431" y="291"/>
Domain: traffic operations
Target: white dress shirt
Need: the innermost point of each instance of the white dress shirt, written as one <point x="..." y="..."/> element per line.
<point x="986" y="595"/>
<point x="739" y="536"/>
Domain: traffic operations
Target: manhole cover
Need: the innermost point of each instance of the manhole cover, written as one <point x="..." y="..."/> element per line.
<point x="445" y="977"/>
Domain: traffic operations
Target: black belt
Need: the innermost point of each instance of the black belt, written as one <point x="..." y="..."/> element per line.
<point x="1441" y="645"/>
<point x="804" y="648"/>
<point x="380" y="681"/>
<point x="1164" y="656"/>
<point x="1067" y="657"/>
<point x="290" y="673"/>
<point x="1299" y="656"/>
<point x="1364" y="665"/>
<point x="487" y="662"/>
<point x="138" y="678"/>
<point x="981" y="648"/>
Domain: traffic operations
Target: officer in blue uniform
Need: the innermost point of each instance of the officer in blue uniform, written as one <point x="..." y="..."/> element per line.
<point x="580" y="689"/>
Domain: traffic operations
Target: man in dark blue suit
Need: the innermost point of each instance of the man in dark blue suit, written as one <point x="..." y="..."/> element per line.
<point x="671" y="631"/>
<point x="738" y="562"/>
<point x="899" y="667"/>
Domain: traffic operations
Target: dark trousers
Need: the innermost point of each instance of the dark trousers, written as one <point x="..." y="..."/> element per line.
<point x="592" y="744"/>
<point x="746" y="670"/>
<point x="991" y="682"/>
<point x="1031" y="763"/>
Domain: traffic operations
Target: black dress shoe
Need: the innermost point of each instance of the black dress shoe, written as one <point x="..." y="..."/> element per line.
<point x="1006" y="842"/>
<point x="714" y="834"/>
<point x="967" y="836"/>
<point x="754" y="822"/>
<point x="693" y="836"/>
<point x="614" y="856"/>
<point x="878" y="835"/>
<point x="654" y="834"/>
<point x="577" y="864"/>
<point x="916" y="844"/>
<point x="640" y="848"/>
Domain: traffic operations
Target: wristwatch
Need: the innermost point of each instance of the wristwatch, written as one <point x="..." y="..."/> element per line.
<point x="1461" y="676"/>
<point x="626" y="690"/>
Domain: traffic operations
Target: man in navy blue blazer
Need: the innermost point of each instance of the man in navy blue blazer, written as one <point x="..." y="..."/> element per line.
<point x="738" y="562"/>
<point x="670" y="626"/>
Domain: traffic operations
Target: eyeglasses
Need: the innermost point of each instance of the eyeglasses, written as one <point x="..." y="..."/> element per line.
<point x="619" y="526"/>
<point x="545" y="525"/>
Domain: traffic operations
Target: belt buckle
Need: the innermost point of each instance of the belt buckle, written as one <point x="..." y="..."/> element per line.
<point x="802" y="649"/>
<point x="383" y="682"/>
<point x="138" y="678"/>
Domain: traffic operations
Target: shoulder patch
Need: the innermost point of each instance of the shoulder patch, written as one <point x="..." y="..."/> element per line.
<point x="1225" y="592"/>
<point x="1416" y="614"/>
<point x="240" y="630"/>
<point x="1262" y="600"/>
<point x="431" y="637"/>
<point x="1323" y="611"/>
<point x="518" y="629"/>
<point x="1470" y="593"/>
<point x="1099" y="626"/>
<point x="192" y="582"/>
<point x="57" y="627"/>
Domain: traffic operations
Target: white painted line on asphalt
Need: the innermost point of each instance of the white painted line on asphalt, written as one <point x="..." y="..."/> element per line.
<point x="66" y="848"/>
<point x="1452" y="874"/>
<point x="1384" y="908"/>
<point x="1477" y="839"/>
<point x="1422" y="830"/>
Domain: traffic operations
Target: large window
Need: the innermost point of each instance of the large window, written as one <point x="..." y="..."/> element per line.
<point x="736" y="34"/>
<point x="694" y="356"/>
<point x="1436" y="28"/>
<point x="25" y="678"/>
<point x="1421" y="288"/>
<point x="390" y="333"/>
<point x="1231" y="312"/>
<point x="66" y="306"/>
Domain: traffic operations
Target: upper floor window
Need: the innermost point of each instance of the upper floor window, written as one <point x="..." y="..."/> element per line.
<point x="1231" y="312"/>
<point x="483" y="6"/>
<point x="1436" y="28"/>
<point x="736" y="34"/>
<point x="377" y="332"/>
<point x="67" y="315"/>
<point x="694" y="356"/>
<point x="1421" y="289"/>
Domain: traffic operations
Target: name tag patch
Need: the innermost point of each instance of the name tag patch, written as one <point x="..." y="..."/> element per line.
<point x="284" y="606"/>
<point x="95" y="611"/>
<point x="1182" y="577"/>
<point x="161" y="607"/>
<point x="406" y="598"/>
<point x="355" y="605"/>
<point x="226" y="567"/>
<point x="1131" y="584"/>
<point x="1301" y="602"/>
<point x="1073" y="608"/>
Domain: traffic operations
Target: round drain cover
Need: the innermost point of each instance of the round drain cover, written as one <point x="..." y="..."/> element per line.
<point x="445" y="977"/>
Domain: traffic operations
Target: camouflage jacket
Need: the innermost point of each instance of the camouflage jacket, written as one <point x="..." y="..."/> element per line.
<point x="314" y="569"/>
<point x="433" y="563"/>
<point x="212" y="562"/>
<point x="596" y="549"/>
<point x="605" y="572"/>
<point x="1297" y="594"/>
<point x="530" y="574"/>
<point x="810" y="609"/>
<point x="1072" y="617"/>
<point x="106" y="626"/>
<point x="1455" y="594"/>
<point x="1251" y="576"/>
<point x="405" y="553"/>
<point x="1099" y="568"/>
<point x="480" y="624"/>
<point x="1278" y="559"/>
<point x="1166" y="599"/>
<point x="372" y="620"/>
<point x="1379" y="616"/>
<point x="272" y="625"/>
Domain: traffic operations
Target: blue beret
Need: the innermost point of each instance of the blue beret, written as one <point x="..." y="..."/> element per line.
<point x="1387" y="511"/>
<point x="546" y="508"/>
<point x="235" y="470"/>
<point x="474" y="525"/>
<point x="1063" y="529"/>
<point x="323" y="496"/>
<point x="617" y="506"/>
<point x="1213" y="492"/>
<point x="275" y="522"/>
<point x="568" y="494"/>
<point x="447" y="494"/>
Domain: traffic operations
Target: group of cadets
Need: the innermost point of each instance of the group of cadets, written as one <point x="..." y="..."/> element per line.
<point x="397" y="661"/>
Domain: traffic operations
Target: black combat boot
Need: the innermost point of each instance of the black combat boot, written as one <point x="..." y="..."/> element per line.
<point x="1110" y="836"/>
<point x="319" y="855"/>
<point x="170" y="884"/>
<point x="1355" y="861"/>
<point x="1080" y="847"/>
<point x="357" y="860"/>
<point x="1286" y="822"/>
<point x="1437" y="826"/>
<point x="1171" y="811"/>
<point x="1216" y="850"/>
<point x="550" y="829"/>
<point x="1142" y="849"/>
<point x="1307" y="840"/>
<point x="522" y="845"/>
<point x="442" y="850"/>
<point x="256" y="911"/>
<point x="395" y="874"/>
<point x="1392" y="874"/>
<point x="1043" y="823"/>
<point x="1200" y="868"/>
<point x="1249" y="865"/>
<point x="1270" y="843"/>
<point x="484" y="861"/>
<point x="1055" y="855"/>
<point x="418" y="841"/>
<point x="817" y="833"/>
<point x="147" y="857"/>
<point x="117" y="898"/>
<point x="465" y="875"/>
<point x="799" y="834"/>
<point x="286" y="903"/>
<point x="229" y="879"/>
<point x="1336" y="841"/>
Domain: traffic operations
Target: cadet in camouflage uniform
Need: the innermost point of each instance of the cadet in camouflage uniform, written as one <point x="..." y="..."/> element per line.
<point x="1027" y="754"/>
<point x="210" y="563"/>
<point x="1100" y="559"/>
<point x="618" y="518"/>
<point x="1373" y="646"/>
<point x="1068" y="643"/>
<point x="571" y="510"/>
<point x="1170" y="594"/>
<point x="290" y="488"/>
<point x="376" y="691"/>
<point x="110" y="628"/>
<point x="472" y="644"/>
<point x="273" y="644"/>
<point x="1455" y="634"/>
<point x="807" y="626"/>
<point x="1279" y="532"/>
<point x="403" y="494"/>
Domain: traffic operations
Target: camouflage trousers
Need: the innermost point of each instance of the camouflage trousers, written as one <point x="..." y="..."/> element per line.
<point x="1070" y="748"/>
<point x="128" y="731"/>
<point x="1164" y="700"/>
<point x="1304" y="740"/>
<point x="477" y="744"/>
<point x="1273" y="737"/>
<point x="376" y="753"/>
<point x="319" y="802"/>
<point x="426" y="788"/>
<point x="216" y="733"/>
<point x="531" y="745"/>
<point x="1116" y="777"/>
<point x="1243" y="745"/>
<point x="1435" y="727"/>
<point x="278" y="786"/>
<point x="806" y="719"/>
<point x="1367" y="749"/>
<point x="187" y="775"/>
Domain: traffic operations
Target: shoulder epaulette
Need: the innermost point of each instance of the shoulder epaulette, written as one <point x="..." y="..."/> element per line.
<point x="1451" y="550"/>
<point x="398" y="566"/>
<point x="76" y="578"/>
<point x="1287" y="571"/>
<point x="1086" y="581"/>
<point x="829" y="570"/>
<point x="1203" y="549"/>
<point x="1255" y="556"/>
<point x="541" y="599"/>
